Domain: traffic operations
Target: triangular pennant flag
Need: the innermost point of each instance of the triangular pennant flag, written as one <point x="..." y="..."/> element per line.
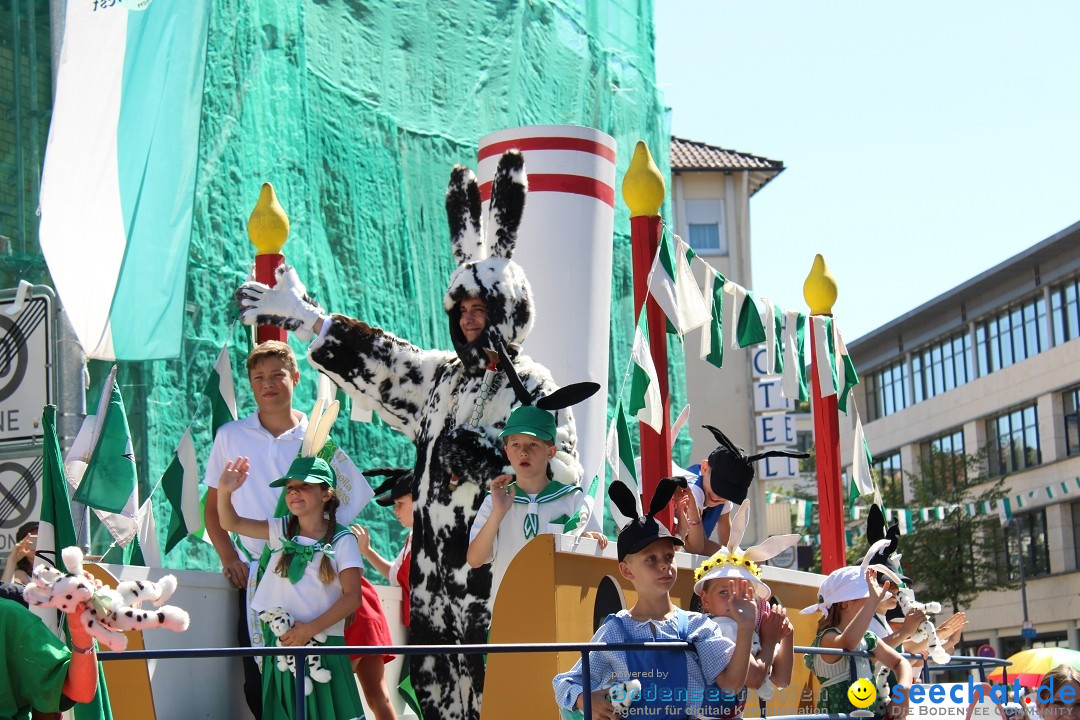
<point x="181" y="486"/>
<point x="774" y="337"/>
<point x="862" y="481"/>
<point x="1004" y="508"/>
<point x="405" y="688"/>
<point x="144" y="549"/>
<point x="620" y="451"/>
<point x="712" y="335"/>
<point x="221" y="392"/>
<point x="645" y="401"/>
<point x="106" y="479"/>
<point x="56" y="530"/>
<point x="672" y="285"/>
<point x="794" y="379"/>
<point x="804" y="513"/>
<point x="846" y="367"/>
<point x="745" y="327"/>
<point x="824" y="354"/>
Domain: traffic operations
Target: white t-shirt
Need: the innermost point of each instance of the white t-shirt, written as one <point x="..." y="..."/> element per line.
<point x="309" y="597"/>
<point x="558" y="508"/>
<point x="270" y="459"/>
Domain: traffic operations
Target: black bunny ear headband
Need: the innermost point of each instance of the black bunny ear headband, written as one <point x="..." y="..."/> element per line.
<point x="876" y="531"/>
<point x="560" y="399"/>
<point x="398" y="483"/>
<point x="641" y="532"/>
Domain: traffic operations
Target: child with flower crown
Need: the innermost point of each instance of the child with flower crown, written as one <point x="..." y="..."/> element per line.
<point x="773" y="656"/>
<point x="848" y="599"/>
<point x="674" y="683"/>
<point x="315" y="577"/>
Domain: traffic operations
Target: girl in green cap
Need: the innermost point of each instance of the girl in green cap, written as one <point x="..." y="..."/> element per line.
<point x="314" y="574"/>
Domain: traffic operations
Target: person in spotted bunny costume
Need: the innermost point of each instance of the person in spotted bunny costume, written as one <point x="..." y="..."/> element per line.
<point x="452" y="405"/>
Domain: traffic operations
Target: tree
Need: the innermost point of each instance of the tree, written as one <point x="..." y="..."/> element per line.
<point x="954" y="558"/>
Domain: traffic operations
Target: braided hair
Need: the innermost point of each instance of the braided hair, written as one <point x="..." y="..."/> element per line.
<point x="292" y="528"/>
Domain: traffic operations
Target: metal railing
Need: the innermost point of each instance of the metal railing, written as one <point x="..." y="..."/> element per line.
<point x="301" y="653"/>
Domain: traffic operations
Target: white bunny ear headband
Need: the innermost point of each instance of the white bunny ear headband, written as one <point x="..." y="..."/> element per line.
<point x="733" y="561"/>
<point x="848" y="583"/>
<point x="320" y="421"/>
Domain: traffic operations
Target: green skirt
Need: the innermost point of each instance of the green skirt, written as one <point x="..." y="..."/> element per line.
<point x="334" y="700"/>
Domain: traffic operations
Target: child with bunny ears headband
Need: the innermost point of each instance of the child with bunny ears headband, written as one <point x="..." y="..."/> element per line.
<point x="773" y="648"/>
<point x="848" y="599"/>
<point x="673" y="682"/>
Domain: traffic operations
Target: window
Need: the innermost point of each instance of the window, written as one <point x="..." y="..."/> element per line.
<point x="1076" y="531"/>
<point x="944" y="459"/>
<point x="887" y="390"/>
<point x="705" y="220"/>
<point x="1065" y="311"/>
<point x="1071" y="403"/>
<point x="1031" y="546"/>
<point x="942" y="366"/>
<point x="890" y="480"/>
<point x="1011" y="336"/>
<point x="1015" y="441"/>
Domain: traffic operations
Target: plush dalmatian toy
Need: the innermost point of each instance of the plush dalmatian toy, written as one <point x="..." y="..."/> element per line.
<point x="623" y="695"/>
<point x="452" y="405"/>
<point x="280" y="622"/>
<point x="108" y="613"/>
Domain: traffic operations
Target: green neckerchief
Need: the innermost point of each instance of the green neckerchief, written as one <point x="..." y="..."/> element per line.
<point x="303" y="554"/>
<point x="552" y="491"/>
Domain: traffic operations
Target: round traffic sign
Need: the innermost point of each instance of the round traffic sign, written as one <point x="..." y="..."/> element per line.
<point x="986" y="651"/>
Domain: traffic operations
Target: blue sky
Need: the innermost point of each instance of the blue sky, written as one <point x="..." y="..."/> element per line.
<point x="925" y="142"/>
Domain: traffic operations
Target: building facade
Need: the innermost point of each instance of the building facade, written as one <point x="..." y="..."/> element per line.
<point x="994" y="365"/>
<point x="710" y="192"/>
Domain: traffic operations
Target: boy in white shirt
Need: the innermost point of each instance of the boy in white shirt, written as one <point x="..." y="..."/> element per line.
<point x="527" y="503"/>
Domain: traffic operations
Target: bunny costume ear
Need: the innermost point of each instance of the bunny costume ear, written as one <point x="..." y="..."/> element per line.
<point x="463" y="214"/>
<point x="484" y="250"/>
<point x="732" y="562"/>
<point x="641" y="532"/>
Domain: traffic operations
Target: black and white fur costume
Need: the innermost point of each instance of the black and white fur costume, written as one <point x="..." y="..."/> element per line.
<point x="453" y="408"/>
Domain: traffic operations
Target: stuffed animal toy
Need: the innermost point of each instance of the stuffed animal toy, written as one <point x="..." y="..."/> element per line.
<point x="280" y="622"/>
<point x="452" y="406"/>
<point x="108" y="613"/>
<point x="887" y="556"/>
<point x="622" y="695"/>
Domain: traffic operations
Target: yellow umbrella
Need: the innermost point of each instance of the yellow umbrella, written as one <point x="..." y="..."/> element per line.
<point x="1030" y="665"/>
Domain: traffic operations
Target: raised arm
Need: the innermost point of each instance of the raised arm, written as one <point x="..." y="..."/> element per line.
<point x="233" y="477"/>
<point x="378" y="369"/>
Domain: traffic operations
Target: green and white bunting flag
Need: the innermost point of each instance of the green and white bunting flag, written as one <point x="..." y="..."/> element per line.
<point x="774" y="336"/>
<point x="742" y="319"/>
<point x="845" y="368"/>
<point x="118" y="184"/>
<point x="862" y="481"/>
<point x="144" y="549"/>
<point x="712" y="335"/>
<point x="672" y="285"/>
<point x="824" y="354"/>
<point x="221" y="392"/>
<point x="903" y="519"/>
<point x="1004" y="509"/>
<point x="793" y="384"/>
<point x="645" y="401"/>
<point x="101" y="465"/>
<point x="180" y="482"/>
<point x="56" y="530"/>
<point x="620" y="450"/>
<point x="804" y="513"/>
<point x="620" y="458"/>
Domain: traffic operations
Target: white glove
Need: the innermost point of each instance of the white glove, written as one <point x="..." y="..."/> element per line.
<point x="286" y="305"/>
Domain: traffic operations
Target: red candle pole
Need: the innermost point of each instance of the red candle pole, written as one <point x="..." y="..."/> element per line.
<point x="268" y="228"/>
<point x="643" y="190"/>
<point x="819" y="290"/>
